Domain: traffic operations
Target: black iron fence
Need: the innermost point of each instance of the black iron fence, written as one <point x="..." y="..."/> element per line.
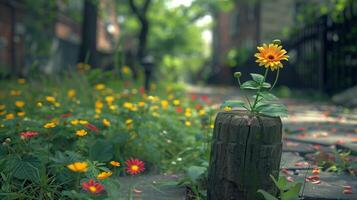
<point x="324" y="54"/>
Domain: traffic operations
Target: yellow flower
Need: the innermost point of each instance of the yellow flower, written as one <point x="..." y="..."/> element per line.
<point x="39" y="104"/>
<point x="164" y="104"/>
<point x="155" y="114"/>
<point x="9" y="116"/>
<point x="21" y="114"/>
<point x="21" y="81"/>
<point x="115" y="163"/>
<point x="154" y="107"/>
<point x="50" y="99"/>
<point x="15" y="92"/>
<point x="188" y="114"/>
<point x="202" y="112"/>
<point x="71" y="93"/>
<point x="125" y="70"/>
<point x="141" y="104"/>
<point x="176" y="102"/>
<point x="128" y="121"/>
<point x="109" y="99"/>
<point x="188" y="123"/>
<point x="127" y="105"/>
<point x="211" y="126"/>
<point x="106" y="122"/>
<point x="50" y="125"/>
<point x="113" y="107"/>
<point x="98" y="110"/>
<point x="83" y="122"/>
<point x="100" y="86"/>
<point x="2" y="112"/>
<point x="78" y="166"/>
<point x="81" y="133"/>
<point x="227" y="108"/>
<point x="19" y="104"/>
<point x="2" y="107"/>
<point x="98" y="104"/>
<point x="57" y="104"/>
<point x="104" y="175"/>
<point x="74" y="121"/>
<point x="270" y="56"/>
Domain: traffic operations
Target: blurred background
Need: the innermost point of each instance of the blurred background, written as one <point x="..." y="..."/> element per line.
<point x="193" y="41"/>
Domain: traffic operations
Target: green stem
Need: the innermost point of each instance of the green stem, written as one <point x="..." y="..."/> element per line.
<point x="276" y="79"/>
<point x="239" y="81"/>
<point x="260" y="87"/>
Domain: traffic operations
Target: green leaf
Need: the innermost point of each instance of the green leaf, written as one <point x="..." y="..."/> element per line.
<point x="266" y="195"/>
<point x="101" y="150"/>
<point x="273" y="110"/>
<point x="250" y="85"/>
<point x="268" y="96"/>
<point x="266" y="85"/>
<point x="257" y="77"/>
<point x="194" y="172"/>
<point x="292" y="193"/>
<point x="24" y="169"/>
<point x="232" y="104"/>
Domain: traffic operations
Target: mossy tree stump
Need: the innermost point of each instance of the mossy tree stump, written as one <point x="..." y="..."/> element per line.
<point x="245" y="151"/>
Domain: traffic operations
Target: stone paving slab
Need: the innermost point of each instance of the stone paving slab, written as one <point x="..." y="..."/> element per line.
<point x="329" y="188"/>
<point x="298" y="147"/>
<point x="322" y="140"/>
<point x="153" y="187"/>
<point x="292" y="161"/>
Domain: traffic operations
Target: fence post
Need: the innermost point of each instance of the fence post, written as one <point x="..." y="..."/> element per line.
<point x="322" y="70"/>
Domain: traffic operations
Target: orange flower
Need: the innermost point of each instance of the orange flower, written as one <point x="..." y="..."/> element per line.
<point x="104" y="175"/>
<point x="270" y="56"/>
<point x="134" y="166"/>
<point x="115" y="163"/>
<point x="78" y="166"/>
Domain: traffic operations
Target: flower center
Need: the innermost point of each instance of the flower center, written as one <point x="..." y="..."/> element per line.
<point x="270" y="57"/>
<point x="135" y="168"/>
<point x="92" y="189"/>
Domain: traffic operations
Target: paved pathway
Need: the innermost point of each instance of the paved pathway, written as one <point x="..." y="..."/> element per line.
<point x="313" y="131"/>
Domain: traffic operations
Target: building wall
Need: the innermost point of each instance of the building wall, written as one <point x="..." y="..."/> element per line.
<point x="237" y="28"/>
<point x="11" y="37"/>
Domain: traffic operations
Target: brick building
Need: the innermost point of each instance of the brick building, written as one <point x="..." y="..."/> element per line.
<point x="66" y="36"/>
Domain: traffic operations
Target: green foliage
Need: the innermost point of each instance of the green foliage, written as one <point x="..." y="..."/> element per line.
<point x="35" y="168"/>
<point x="287" y="190"/>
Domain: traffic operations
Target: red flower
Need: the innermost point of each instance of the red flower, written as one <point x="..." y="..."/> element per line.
<point x="134" y="166"/>
<point x="198" y="106"/>
<point x="92" y="127"/>
<point x="179" y="110"/>
<point x="142" y="90"/>
<point x="194" y="97"/>
<point x="28" y="134"/>
<point x="66" y="115"/>
<point x="92" y="187"/>
<point x="204" y="97"/>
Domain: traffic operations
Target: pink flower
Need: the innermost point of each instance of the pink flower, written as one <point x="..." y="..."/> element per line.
<point x="28" y="134"/>
<point x="92" y="127"/>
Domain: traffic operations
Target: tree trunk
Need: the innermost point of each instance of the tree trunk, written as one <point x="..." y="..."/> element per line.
<point x="245" y="151"/>
<point x="88" y="49"/>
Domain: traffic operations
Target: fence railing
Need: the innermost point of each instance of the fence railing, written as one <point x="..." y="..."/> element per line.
<point x="324" y="54"/>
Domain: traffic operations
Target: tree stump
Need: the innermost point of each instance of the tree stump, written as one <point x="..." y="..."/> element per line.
<point x="245" y="151"/>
